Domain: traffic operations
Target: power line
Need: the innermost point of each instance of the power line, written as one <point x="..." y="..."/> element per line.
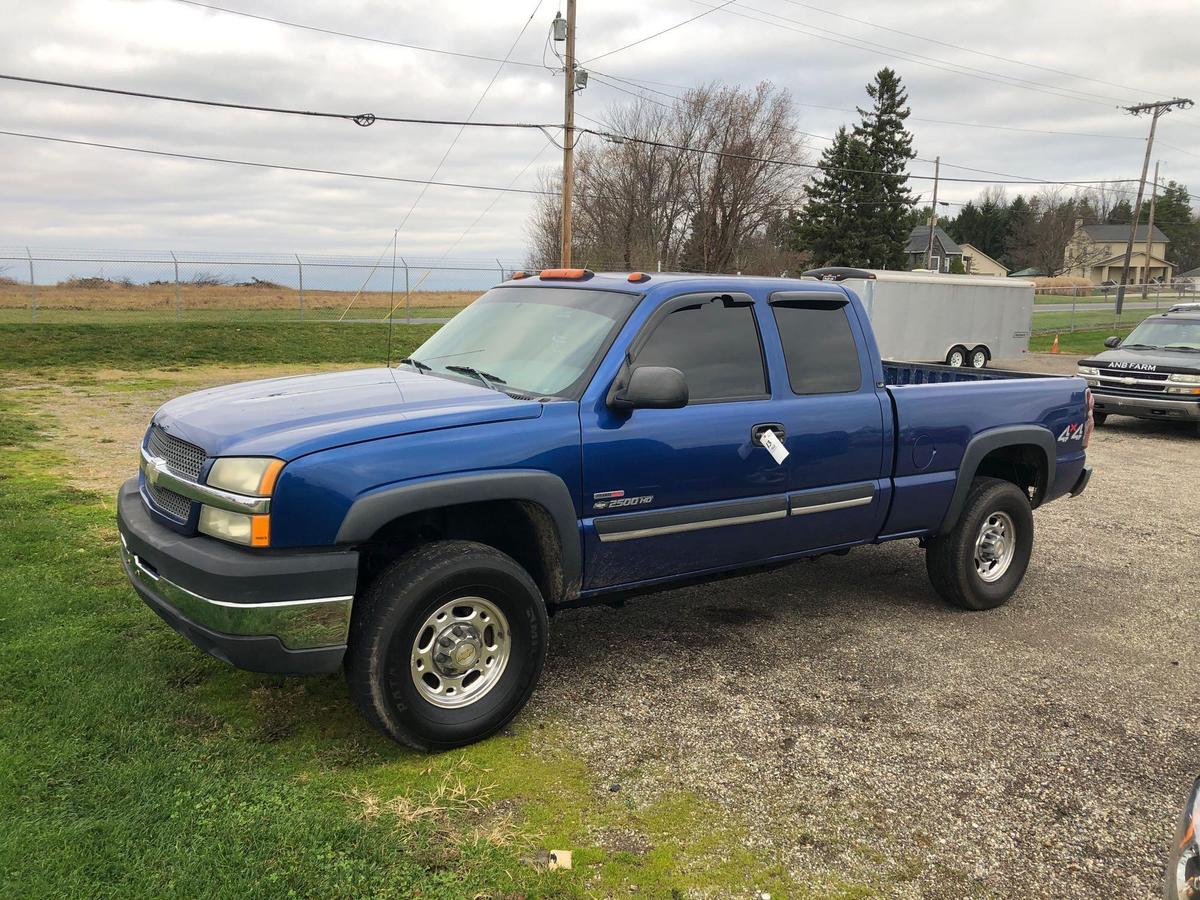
<point x="932" y="40"/>
<point x="909" y="56"/>
<point x="263" y="165"/>
<point x="650" y="37"/>
<point x="474" y="109"/>
<point x="363" y="119"/>
<point x="355" y="37"/>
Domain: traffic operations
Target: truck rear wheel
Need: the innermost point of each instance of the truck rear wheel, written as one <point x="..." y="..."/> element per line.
<point x="979" y="564"/>
<point x="979" y="358"/>
<point x="447" y="645"/>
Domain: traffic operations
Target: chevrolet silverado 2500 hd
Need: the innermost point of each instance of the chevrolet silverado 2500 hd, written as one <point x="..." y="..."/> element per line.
<point x="573" y="437"/>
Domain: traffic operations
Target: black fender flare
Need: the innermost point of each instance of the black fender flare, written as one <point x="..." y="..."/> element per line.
<point x="983" y="444"/>
<point x="372" y="511"/>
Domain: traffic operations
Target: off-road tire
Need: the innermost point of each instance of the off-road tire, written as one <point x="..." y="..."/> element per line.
<point x="950" y="558"/>
<point x="1099" y="419"/>
<point x="385" y="626"/>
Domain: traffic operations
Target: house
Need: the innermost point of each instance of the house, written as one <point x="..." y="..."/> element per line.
<point x="976" y="262"/>
<point x="1190" y="280"/>
<point x="1097" y="253"/>
<point x="944" y="249"/>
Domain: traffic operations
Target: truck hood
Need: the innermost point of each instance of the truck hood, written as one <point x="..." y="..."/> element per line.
<point x="290" y="417"/>
<point x="1132" y="361"/>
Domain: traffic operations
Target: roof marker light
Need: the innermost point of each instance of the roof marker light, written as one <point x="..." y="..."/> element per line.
<point x="517" y="276"/>
<point x="638" y="277"/>
<point x="565" y="274"/>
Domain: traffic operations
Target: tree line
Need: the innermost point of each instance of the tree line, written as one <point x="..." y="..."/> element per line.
<point x="723" y="180"/>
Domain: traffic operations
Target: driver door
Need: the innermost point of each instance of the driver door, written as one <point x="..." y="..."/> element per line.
<point x="672" y="491"/>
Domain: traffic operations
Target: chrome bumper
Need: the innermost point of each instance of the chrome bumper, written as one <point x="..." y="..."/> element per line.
<point x="298" y="624"/>
<point x="1146" y="407"/>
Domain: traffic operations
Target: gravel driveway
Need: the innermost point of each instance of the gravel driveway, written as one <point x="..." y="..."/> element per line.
<point x="868" y="732"/>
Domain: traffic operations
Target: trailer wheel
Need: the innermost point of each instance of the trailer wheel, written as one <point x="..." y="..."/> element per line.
<point x="957" y="357"/>
<point x="979" y="358"/>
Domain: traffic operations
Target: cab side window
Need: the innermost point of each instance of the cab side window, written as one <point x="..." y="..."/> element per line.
<point x="818" y="346"/>
<point x="715" y="343"/>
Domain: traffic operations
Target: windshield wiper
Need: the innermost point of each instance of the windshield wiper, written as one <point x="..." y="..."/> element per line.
<point x="1185" y="347"/>
<point x="416" y="364"/>
<point x="482" y="376"/>
<point x="1140" y="347"/>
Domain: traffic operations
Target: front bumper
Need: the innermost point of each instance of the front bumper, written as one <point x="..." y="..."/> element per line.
<point x="1146" y="407"/>
<point x="281" y="611"/>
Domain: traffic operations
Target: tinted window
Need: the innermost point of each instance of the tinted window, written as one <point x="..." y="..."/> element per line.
<point x="819" y="347"/>
<point x="715" y="344"/>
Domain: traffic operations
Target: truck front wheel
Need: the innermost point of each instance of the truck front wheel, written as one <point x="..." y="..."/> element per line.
<point x="980" y="562"/>
<point x="447" y="645"/>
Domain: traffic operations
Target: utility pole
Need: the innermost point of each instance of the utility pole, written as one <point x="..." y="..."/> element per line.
<point x="1150" y="232"/>
<point x="937" y="165"/>
<point x="1156" y="109"/>
<point x="568" y="177"/>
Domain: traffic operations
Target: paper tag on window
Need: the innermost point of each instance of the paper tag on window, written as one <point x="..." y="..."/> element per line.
<point x="774" y="446"/>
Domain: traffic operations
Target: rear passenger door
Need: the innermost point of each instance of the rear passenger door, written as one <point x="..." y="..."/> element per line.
<point x="838" y="491"/>
<point x="674" y="491"/>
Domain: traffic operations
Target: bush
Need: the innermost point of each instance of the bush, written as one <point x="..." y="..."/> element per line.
<point x="1064" y="286"/>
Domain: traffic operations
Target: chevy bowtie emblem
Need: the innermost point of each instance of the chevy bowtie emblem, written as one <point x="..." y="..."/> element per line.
<point x="157" y="467"/>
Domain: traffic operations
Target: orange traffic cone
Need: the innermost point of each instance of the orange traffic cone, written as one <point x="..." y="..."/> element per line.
<point x="1054" y="346"/>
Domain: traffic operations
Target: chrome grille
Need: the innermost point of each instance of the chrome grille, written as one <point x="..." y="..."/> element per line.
<point x="1121" y="380"/>
<point x="171" y="503"/>
<point x="184" y="459"/>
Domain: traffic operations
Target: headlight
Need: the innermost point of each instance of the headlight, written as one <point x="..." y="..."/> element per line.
<point x="1183" y="865"/>
<point x="239" y="528"/>
<point x="253" y="475"/>
<point x="1087" y="370"/>
<point x="1185" y="378"/>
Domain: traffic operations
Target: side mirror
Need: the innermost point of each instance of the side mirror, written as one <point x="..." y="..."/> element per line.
<point x="1112" y="343"/>
<point x="649" y="387"/>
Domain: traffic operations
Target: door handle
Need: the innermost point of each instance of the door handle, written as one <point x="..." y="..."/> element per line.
<point x="756" y="432"/>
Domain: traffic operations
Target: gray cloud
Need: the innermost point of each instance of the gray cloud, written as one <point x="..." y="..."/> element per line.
<point x="63" y="196"/>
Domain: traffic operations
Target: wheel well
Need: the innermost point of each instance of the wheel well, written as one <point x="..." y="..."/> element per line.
<point x="1024" y="465"/>
<point x="984" y="347"/>
<point x="522" y="529"/>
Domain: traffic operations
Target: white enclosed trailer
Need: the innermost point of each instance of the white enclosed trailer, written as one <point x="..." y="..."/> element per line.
<point x="929" y="317"/>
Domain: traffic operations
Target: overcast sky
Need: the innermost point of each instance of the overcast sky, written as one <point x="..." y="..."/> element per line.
<point x="55" y="195"/>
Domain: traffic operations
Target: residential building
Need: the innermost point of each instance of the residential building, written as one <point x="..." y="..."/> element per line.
<point x="1190" y="280"/>
<point x="1097" y="253"/>
<point x="944" y="249"/>
<point x="976" y="262"/>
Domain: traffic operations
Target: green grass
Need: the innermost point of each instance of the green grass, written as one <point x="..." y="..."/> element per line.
<point x="132" y="765"/>
<point x="183" y="344"/>
<point x="1077" y="342"/>
<point x="1086" y="321"/>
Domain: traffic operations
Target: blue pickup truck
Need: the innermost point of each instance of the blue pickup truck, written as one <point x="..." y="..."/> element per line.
<point x="574" y="437"/>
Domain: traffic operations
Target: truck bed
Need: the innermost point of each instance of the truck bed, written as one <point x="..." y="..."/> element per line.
<point x="899" y="372"/>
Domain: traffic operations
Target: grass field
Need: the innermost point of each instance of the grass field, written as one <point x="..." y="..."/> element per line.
<point x="1082" y="320"/>
<point x="96" y="300"/>
<point x="133" y="765"/>
<point x="1079" y="342"/>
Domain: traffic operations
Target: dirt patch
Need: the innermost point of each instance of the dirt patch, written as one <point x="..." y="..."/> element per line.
<point x="97" y="294"/>
<point x="97" y="419"/>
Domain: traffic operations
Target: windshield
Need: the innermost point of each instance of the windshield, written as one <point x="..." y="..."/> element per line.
<point x="1172" y="334"/>
<point x="541" y="341"/>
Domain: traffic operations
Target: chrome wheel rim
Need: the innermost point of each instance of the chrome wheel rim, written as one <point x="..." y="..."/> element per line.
<point x="956" y="359"/>
<point x="995" y="546"/>
<point x="460" y="652"/>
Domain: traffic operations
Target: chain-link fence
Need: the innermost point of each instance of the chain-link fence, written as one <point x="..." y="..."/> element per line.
<point x="123" y="286"/>
<point x="1088" y="308"/>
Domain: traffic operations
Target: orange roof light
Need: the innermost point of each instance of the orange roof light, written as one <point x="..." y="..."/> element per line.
<point x="638" y="277"/>
<point x="565" y="274"/>
<point x="517" y="276"/>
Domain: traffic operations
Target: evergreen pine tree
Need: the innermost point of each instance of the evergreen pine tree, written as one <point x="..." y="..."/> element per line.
<point x="833" y="225"/>
<point x="887" y="199"/>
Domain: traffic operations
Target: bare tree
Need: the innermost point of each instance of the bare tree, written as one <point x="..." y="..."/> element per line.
<point x="682" y="186"/>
